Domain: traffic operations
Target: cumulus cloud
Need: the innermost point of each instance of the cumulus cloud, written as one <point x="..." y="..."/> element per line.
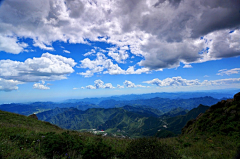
<point x="228" y="72"/>
<point x="40" y="86"/>
<point x="48" y="67"/>
<point x="163" y="32"/>
<point x="90" y="87"/>
<point x="129" y="84"/>
<point x="104" y="65"/>
<point x="10" y="44"/>
<point x="100" y="84"/>
<point x="187" y="66"/>
<point x="179" y="81"/>
<point x="119" y="54"/>
<point x="119" y="86"/>
<point x="131" y="70"/>
<point x="9" y="85"/>
<point x="109" y="85"/>
<point x="90" y="52"/>
<point x="222" y="81"/>
<point x="174" y="81"/>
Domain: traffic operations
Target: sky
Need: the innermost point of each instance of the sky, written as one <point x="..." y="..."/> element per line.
<point x="55" y="49"/>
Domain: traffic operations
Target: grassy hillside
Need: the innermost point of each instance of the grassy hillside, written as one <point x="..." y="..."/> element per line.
<point x="25" y="137"/>
<point x="222" y="118"/>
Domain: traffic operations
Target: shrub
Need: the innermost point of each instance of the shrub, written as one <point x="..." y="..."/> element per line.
<point x="149" y="148"/>
<point x="97" y="150"/>
<point x="59" y="144"/>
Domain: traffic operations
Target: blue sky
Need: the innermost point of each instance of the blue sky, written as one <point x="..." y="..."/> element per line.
<point x="55" y="50"/>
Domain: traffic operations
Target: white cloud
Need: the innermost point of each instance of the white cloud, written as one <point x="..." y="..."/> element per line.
<point x="9" y="85"/>
<point x="119" y="86"/>
<point x="163" y="33"/>
<point x="98" y="65"/>
<point x="131" y="70"/>
<point x="104" y="65"/>
<point x="100" y="84"/>
<point x="75" y="88"/>
<point x="66" y="51"/>
<point x="119" y="54"/>
<point x="129" y="84"/>
<point x="48" y="67"/>
<point x="228" y="72"/>
<point x="90" y="87"/>
<point x="40" y="86"/>
<point x="43" y="46"/>
<point x="10" y="44"/>
<point x="174" y="81"/>
<point x="90" y="52"/>
<point x="222" y="81"/>
<point x="179" y="81"/>
<point x="109" y="85"/>
<point x="187" y="66"/>
<point x="139" y="85"/>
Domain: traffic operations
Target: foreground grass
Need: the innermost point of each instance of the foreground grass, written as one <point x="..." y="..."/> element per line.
<point x="24" y="137"/>
<point x="204" y="146"/>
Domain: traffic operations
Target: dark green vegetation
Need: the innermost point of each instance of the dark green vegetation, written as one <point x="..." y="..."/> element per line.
<point x="178" y="122"/>
<point x="222" y="118"/>
<point x="25" y="137"/>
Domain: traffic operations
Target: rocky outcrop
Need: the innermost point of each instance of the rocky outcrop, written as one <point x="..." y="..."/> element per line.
<point x="33" y="116"/>
<point x="237" y="97"/>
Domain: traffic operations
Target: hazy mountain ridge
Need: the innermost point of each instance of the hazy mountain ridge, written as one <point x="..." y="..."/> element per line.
<point x="178" y="95"/>
<point x="162" y="104"/>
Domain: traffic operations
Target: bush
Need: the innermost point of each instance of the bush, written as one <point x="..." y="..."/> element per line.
<point x="60" y="144"/>
<point x="149" y="148"/>
<point x="97" y="150"/>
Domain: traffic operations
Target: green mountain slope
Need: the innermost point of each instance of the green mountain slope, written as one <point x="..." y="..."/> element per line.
<point x="175" y="112"/>
<point x="143" y="110"/>
<point x="222" y="118"/>
<point x="130" y="121"/>
<point x="175" y="124"/>
<point x="48" y="114"/>
<point x="76" y="119"/>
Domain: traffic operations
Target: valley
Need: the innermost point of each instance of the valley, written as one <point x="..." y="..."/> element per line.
<point x="209" y="132"/>
<point x="128" y="116"/>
